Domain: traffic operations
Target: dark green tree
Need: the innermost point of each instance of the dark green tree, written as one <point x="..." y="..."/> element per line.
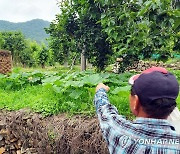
<point x="78" y="29"/>
<point x="29" y="56"/>
<point x="14" y="42"/>
<point x="43" y="56"/>
<point x="1" y="41"/>
<point x="133" y="30"/>
<point x="138" y="29"/>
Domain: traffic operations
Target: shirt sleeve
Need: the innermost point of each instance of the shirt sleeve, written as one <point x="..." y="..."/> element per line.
<point x="107" y="116"/>
<point x="101" y="100"/>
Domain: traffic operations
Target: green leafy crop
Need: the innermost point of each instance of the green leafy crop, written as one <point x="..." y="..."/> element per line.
<point x="53" y="93"/>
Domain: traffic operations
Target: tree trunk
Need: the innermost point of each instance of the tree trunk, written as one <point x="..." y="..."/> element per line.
<point x="83" y="60"/>
<point x="43" y="65"/>
<point x="66" y="63"/>
<point x="66" y="60"/>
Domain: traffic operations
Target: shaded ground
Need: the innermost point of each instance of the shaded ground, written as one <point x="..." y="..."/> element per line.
<point x="25" y="132"/>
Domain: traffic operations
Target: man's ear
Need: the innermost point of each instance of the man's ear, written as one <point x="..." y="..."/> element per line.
<point x="134" y="104"/>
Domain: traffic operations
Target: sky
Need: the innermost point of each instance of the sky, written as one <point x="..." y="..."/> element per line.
<point x="25" y="10"/>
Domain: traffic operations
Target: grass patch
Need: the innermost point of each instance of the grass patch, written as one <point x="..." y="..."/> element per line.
<point x="37" y="98"/>
<point x="44" y="100"/>
<point x="51" y="69"/>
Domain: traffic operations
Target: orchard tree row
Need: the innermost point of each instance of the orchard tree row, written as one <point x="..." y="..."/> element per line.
<point x="104" y="30"/>
<point x="25" y="52"/>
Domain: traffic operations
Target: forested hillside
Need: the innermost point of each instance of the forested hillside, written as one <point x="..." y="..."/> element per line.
<point x="33" y="29"/>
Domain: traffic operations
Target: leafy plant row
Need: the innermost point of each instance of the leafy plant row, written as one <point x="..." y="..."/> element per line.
<point x="72" y="93"/>
<point x="61" y="83"/>
<point x="52" y="93"/>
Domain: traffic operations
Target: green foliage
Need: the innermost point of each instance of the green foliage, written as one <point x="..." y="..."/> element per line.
<point x="51" y="93"/>
<point x="60" y="43"/>
<point x="133" y="30"/>
<point x="33" y="29"/>
<point x="137" y="29"/>
<point x="51" y="58"/>
<point x="1" y="41"/>
<point x="29" y="56"/>
<point x="14" y="42"/>
<point x="16" y="81"/>
<point x="177" y="74"/>
<point x="43" y="56"/>
<point x="77" y="29"/>
<point x="26" y="52"/>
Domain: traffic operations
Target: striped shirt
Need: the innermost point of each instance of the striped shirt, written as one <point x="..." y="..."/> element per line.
<point x="141" y="136"/>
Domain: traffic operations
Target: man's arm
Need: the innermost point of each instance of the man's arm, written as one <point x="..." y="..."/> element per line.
<point x="101" y="100"/>
<point x="108" y="116"/>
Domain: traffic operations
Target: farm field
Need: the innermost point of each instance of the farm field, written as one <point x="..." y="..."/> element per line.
<point x="56" y="92"/>
<point x="53" y="92"/>
<point x="55" y="109"/>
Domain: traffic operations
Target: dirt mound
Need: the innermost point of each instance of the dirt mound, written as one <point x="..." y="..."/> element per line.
<point x="26" y="132"/>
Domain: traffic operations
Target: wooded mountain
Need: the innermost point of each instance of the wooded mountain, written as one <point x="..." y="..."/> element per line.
<point x="33" y="29"/>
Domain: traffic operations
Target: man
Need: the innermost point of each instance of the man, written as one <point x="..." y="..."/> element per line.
<point x="152" y="99"/>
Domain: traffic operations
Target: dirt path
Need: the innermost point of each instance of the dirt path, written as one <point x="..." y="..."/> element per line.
<point x="26" y="132"/>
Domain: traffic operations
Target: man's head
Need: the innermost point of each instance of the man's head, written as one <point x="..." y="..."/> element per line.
<point x="153" y="93"/>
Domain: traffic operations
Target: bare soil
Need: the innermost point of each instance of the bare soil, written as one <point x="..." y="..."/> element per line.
<point x="26" y="132"/>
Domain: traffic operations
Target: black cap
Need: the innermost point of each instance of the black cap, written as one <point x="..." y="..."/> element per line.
<point x="155" y="83"/>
